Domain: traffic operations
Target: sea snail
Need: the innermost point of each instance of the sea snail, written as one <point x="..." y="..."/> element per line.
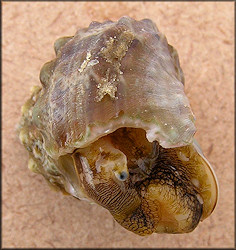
<point x="111" y="124"/>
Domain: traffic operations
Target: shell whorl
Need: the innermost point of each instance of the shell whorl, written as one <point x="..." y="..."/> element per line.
<point x="112" y="75"/>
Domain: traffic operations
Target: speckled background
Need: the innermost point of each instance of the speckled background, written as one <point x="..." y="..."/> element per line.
<point x="203" y="34"/>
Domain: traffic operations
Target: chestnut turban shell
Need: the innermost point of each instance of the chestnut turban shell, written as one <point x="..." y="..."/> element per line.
<point x="111" y="124"/>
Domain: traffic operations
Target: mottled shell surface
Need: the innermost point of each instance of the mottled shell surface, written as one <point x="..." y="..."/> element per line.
<point x="113" y="75"/>
<point x="111" y="124"/>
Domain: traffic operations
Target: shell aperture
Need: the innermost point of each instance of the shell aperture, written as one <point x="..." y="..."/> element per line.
<point x="112" y="125"/>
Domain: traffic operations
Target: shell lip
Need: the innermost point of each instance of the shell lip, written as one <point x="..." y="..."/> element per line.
<point x="93" y="133"/>
<point x="198" y="149"/>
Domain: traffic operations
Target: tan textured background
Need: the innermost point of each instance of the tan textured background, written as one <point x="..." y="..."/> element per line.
<point x="34" y="215"/>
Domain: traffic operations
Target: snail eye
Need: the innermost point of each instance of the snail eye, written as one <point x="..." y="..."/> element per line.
<point x="122" y="176"/>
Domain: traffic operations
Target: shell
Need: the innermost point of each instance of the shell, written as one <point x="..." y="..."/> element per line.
<point x="112" y="125"/>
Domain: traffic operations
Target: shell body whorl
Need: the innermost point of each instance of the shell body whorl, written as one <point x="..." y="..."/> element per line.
<point x="114" y="75"/>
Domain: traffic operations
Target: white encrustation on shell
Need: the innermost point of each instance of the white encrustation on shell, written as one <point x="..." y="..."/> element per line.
<point x="112" y="125"/>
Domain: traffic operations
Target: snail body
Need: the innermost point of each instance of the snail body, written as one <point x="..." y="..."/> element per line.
<point x="112" y="125"/>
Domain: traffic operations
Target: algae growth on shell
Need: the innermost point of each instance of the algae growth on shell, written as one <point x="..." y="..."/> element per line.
<point x="111" y="124"/>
